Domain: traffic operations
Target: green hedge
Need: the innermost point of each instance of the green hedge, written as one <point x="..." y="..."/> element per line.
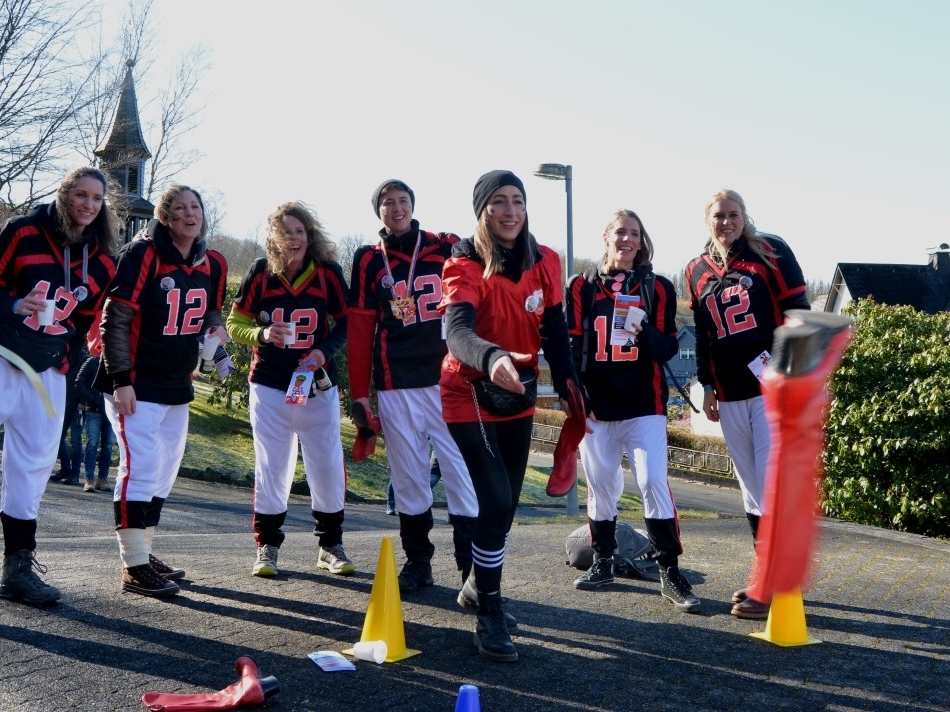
<point x="887" y="460"/>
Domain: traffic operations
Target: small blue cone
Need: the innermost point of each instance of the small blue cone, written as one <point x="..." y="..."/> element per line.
<point x="468" y="699"/>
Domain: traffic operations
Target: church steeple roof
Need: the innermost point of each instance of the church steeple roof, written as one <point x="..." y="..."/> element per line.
<point x="124" y="139"/>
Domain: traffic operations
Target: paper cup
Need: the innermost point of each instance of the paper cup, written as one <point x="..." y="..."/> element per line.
<point x="290" y="338"/>
<point x="373" y="651"/>
<point x="634" y="317"/>
<point x="209" y="348"/>
<point x="46" y="316"/>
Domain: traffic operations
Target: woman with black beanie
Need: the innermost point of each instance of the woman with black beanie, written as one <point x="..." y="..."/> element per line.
<point x="502" y="305"/>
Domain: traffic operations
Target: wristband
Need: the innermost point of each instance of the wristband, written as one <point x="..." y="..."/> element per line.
<point x="708" y="389"/>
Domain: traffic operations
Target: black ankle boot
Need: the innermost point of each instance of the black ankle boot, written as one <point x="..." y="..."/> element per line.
<point x="491" y="632"/>
<point x="468" y="598"/>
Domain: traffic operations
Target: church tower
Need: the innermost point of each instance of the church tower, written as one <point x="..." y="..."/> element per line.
<point x="122" y="156"/>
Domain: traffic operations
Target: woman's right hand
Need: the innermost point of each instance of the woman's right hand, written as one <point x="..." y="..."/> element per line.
<point x="504" y="374"/>
<point x="123" y="398"/>
<point x="711" y="406"/>
<point x="32" y="303"/>
<point x="276" y="332"/>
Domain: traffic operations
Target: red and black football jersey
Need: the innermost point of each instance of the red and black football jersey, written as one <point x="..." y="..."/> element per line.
<point x="508" y="314"/>
<point x="266" y="297"/>
<point x="625" y="381"/>
<point x="169" y="295"/>
<point x="407" y="349"/>
<point x="30" y="258"/>
<point x="737" y="307"/>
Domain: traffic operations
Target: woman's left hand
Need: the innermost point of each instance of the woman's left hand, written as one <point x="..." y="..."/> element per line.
<point x="220" y="333"/>
<point x="315" y="355"/>
<point x="566" y="407"/>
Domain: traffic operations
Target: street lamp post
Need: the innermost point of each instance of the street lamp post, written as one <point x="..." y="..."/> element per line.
<point x="558" y="171"/>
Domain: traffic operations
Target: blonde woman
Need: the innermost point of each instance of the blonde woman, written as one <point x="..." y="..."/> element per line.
<point x="167" y="293"/>
<point x="739" y="288"/>
<point x="55" y="263"/>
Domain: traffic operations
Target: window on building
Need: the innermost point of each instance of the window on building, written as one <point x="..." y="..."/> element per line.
<point x="687" y="354"/>
<point x="133" y="187"/>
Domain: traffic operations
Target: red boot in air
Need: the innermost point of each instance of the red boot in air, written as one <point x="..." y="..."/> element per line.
<point x="806" y="349"/>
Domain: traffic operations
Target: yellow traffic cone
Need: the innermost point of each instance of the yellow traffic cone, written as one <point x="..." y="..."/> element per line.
<point x="786" y="623"/>
<point x="384" y="615"/>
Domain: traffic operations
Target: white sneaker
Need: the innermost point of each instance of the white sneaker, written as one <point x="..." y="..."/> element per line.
<point x="334" y="560"/>
<point x="266" y="563"/>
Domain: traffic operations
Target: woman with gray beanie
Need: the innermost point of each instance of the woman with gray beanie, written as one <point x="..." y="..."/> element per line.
<point x="502" y="305"/>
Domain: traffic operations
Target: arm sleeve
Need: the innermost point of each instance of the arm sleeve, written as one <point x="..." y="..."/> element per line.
<point x="789" y="286"/>
<point x="116" y="331"/>
<point x="336" y="308"/>
<point x="8" y="295"/>
<point x="557" y="348"/>
<point x="84" y="379"/>
<point x="361" y="325"/>
<point x="242" y="328"/>
<point x="658" y="338"/>
<point x="336" y="339"/>
<point x="574" y="309"/>
<point x="467" y="346"/>
<point x="212" y="319"/>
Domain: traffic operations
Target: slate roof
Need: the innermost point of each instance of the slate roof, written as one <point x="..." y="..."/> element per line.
<point x="124" y="138"/>
<point x="924" y="287"/>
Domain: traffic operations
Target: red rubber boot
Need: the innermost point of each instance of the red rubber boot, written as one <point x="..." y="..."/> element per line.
<point x="806" y="349"/>
<point x="564" y="473"/>
<point x="249" y="690"/>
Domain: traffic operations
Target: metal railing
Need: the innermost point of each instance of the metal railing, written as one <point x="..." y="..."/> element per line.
<point x="706" y="463"/>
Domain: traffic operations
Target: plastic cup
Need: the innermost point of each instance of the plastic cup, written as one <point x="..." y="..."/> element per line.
<point x="634" y="317"/>
<point x="210" y="347"/>
<point x="46" y="316"/>
<point x="373" y="651"/>
<point x="290" y="338"/>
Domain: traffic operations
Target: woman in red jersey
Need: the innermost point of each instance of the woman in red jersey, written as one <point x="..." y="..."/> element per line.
<point x="502" y="305"/>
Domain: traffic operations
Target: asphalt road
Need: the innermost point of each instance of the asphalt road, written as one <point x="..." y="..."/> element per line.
<point x="878" y="601"/>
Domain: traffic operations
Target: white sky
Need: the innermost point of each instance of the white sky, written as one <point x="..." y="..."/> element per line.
<point x="830" y="117"/>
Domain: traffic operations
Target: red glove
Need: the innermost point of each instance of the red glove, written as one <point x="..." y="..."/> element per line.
<point x="368" y="429"/>
<point x="564" y="473"/>
<point x="249" y="690"/>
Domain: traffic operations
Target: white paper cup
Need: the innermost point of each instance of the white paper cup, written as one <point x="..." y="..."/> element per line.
<point x="290" y="338"/>
<point x="634" y="317"/>
<point x="373" y="651"/>
<point x="209" y="348"/>
<point x="46" y="316"/>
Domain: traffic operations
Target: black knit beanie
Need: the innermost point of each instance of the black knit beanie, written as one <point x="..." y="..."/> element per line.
<point x="489" y="183"/>
<point x="392" y="184"/>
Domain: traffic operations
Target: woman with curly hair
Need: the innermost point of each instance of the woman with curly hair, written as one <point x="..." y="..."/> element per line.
<point x="291" y="309"/>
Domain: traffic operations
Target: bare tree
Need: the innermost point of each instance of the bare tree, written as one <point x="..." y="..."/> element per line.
<point x="346" y="246"/>
<point x="177" y="108"/>
<point x="108" y="66"/>
<point x="42" y="85"/>
<point x="179" y="115"/>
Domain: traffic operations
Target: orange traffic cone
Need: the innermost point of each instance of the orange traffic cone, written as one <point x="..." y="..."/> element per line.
<point x="384" y="615"/>
<point x="786" y="623"/>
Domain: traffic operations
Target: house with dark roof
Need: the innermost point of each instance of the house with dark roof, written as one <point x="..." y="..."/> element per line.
<point x="683" y="364"/>
<point x="924" y="287"/>
<point x="123" y="154"/>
